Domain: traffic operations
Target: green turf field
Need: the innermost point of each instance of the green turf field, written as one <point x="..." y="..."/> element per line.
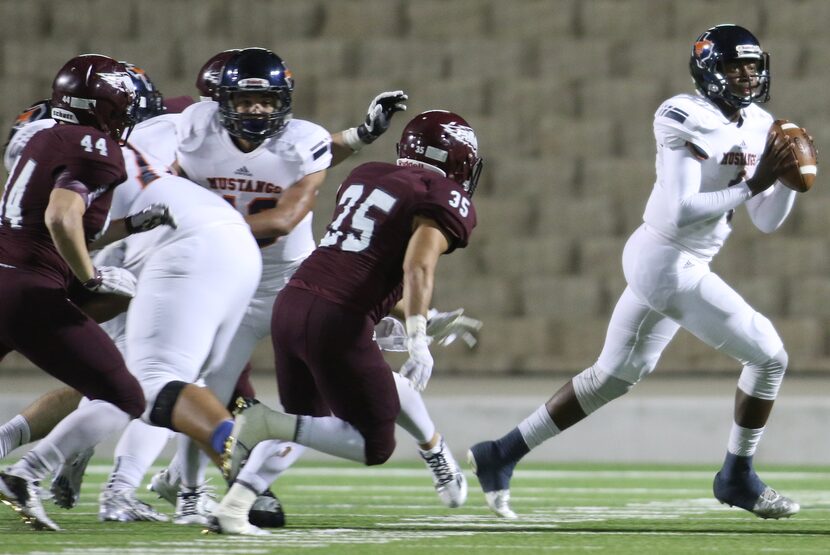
<point x="393" y="509"/>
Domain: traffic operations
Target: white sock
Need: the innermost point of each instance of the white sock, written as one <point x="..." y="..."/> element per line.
<point x="238" y="501"/>
<point x="13" y="434"/>
<point x="413" y="417"/>
<point x="267" y="461"/>
<point x="139" y="446"/>
<point x="538" y="427"/>
<point x="329" y="434"/>
<point x="85" y="427"/>
<point x="744" y="441"/>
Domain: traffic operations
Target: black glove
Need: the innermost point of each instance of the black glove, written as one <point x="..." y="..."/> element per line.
<point x="380" y="113"/>
<point x="149" y="218"/>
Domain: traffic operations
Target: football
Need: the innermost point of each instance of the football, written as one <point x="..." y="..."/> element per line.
<point x="804" y="151"/>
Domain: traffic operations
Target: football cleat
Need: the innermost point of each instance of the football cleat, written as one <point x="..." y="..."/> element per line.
<point x="493" y="475"/>
<point x="66" y="487"/>
<point x="121" y="505"/>
<point x="23" y="496"/>
<point x="194" y="505"/>
<point x="251" y="426"/>
<point x="499" y="503"/>
<point x="266" y="512"/>
<point x="447" y="477"/>
<point x="162" y="486"/>
<point x="769" y="504"/>
<point x="239" y="527"/>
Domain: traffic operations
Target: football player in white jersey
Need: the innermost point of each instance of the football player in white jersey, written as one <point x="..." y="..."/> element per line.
<point x="713" y="155"/>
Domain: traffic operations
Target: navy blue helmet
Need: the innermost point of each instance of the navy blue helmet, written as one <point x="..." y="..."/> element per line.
<point x="260" y="71"/>
<point x="728" y="43"/>
<point x="150" y="99"/>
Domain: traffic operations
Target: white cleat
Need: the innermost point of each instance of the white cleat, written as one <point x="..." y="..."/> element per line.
<point x="23" y="496"/>
<point x="194" y="505"/>
<point x="162" y="486"/>
<point x="122" y="506"/>
<point x="499" y="503"/>
<point x="66" y="487"/>
<point x="771" y="504"/>
<point x="233" y="526"/>
<point x="447" y="477"/>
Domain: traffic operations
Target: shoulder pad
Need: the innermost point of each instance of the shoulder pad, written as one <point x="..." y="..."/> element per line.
<point x="310" y="142"/>
<point x="20" y="139"/>
<point x="685" y="118"/>
<point x="192" y="124"/>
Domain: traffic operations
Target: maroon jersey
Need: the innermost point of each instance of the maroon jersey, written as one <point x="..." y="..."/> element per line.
<point x="177" y="104"/>
<point x="359" y="262"/>
<point x="94" y="162"/>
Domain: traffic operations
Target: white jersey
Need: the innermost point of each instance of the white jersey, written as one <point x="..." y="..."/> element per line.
<point x="254" y="181"/>
<point x="150" y="151"/>
<point x="21" y="139"/>
<point x="694" y="214"/>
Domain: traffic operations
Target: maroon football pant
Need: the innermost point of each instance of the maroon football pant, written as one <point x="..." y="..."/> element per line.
<point x="38" y="321"/>
<point x="327" y="363"/>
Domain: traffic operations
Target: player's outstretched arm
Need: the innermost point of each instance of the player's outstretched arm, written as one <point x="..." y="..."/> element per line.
<point x="378" y="117"/>
<point x="297" y="201"/>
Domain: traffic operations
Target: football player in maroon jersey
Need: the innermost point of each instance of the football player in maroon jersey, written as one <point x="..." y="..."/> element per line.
<point x="391" y="224"/>
<point x="54" y="204"/>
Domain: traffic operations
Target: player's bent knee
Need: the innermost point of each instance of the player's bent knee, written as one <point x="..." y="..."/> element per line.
<point x="162" y="412"/>
<point x="133" y="403"/>
<point x="763" y="380"/>
<point x="594" y="388"/>
<point x="380" y="444"/>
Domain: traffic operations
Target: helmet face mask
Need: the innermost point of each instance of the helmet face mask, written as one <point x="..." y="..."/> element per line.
<point x="715" y="57"/>
<point x="97" y="91"/>
<point x="444" y="142"/>
<point x="263" y="73"/>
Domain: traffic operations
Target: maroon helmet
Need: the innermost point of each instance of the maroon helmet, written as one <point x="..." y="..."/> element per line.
<point x="444" y="141"/>
<point x="97" y="91"/>
<point x="208" y="79"/>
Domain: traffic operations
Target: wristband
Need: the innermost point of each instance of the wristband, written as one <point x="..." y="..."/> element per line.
<point x="95" y="281"/>
<point x="416" y="325"/>
<point x="352" y="139"/>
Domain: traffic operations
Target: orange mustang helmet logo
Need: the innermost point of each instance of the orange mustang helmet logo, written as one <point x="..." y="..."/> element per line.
<point x="703" y="49"/>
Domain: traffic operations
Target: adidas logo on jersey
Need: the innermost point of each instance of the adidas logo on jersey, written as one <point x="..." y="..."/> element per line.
<point x="243" y="171"/>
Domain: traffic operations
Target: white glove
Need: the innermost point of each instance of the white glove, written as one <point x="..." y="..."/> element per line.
<point x="149" y="218"/>
<point x="418" y="368"/>
<point x="111" y="279"/>
<point x="446" y="327"/>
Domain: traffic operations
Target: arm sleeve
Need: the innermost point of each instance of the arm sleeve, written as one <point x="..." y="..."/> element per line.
<point x="769" y="209"/>
<point x="682" y="175"/>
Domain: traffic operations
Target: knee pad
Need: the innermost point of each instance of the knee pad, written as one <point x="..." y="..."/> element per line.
<point x="763" y="380"/>
<point x="594" y="388"/>
<point x="162" y="412"/>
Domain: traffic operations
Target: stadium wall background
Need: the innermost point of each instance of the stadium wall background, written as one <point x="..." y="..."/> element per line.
<point x="561" y="94"/>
